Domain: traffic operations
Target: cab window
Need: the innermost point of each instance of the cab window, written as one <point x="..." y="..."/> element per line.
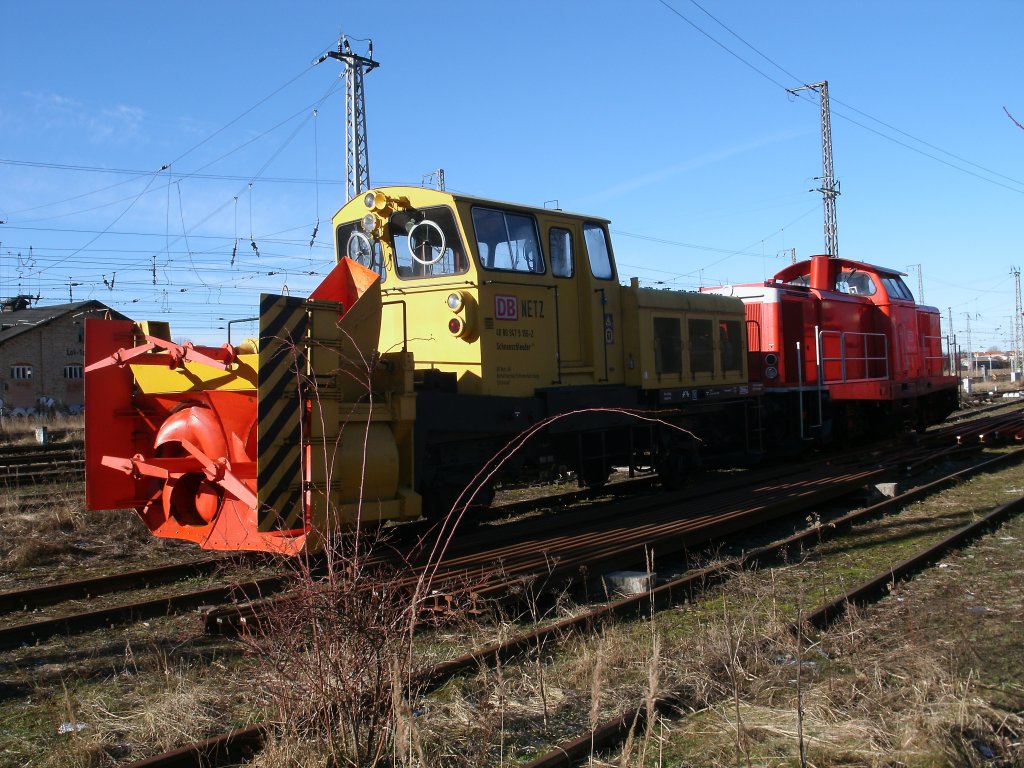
<point x="560" y="249"/>
<point x="364" y="249"/>
<point x="426" y="243"/>
<point x="598" y="251"/>
<point x="855" y="283"/>
<point x="507" y="241"/>
<point x="897" y="289"/>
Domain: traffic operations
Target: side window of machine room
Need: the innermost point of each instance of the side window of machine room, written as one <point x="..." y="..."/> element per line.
<point x="508" y="241"/>
<point x="702" y="346"/>
<point x="668" y="346"/>
<point x="599" y="251"/>
<point x="730" y="346"/>
<point x="426" y="243"/>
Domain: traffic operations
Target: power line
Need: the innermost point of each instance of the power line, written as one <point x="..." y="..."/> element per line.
<point x="177" y="174"/>
<point x="887" y="137"/>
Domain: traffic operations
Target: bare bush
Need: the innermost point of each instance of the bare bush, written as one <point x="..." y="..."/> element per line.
<point x="340" y="665"/>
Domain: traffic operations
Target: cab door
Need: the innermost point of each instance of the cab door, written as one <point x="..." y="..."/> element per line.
<point x="599" y="293"/>
<point x="563" y="243"/>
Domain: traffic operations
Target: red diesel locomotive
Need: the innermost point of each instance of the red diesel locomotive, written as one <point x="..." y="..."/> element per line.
<point x="842" y="349"/>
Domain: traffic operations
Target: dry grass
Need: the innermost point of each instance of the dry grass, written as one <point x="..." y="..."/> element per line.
<point x="119" y="724"/>
<point x="58" y="534"/>
<point x="22" y="431"/>
<point x="870" y="701"/>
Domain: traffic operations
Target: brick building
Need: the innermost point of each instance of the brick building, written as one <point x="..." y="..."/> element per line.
<point x="42" y="351"/>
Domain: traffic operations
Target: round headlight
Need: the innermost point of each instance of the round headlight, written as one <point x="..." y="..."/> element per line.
<point x="771" y="359"/>
<point x="368" y="200"/>
<point x="771" y="372"/>
<point x="454" y="302"/>
<point x="369" y="223"/>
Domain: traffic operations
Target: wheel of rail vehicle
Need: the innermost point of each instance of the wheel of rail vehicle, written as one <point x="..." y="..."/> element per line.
<point x="441" y="498"/>
<point x="594" y="473"/>
<point x="676" y="463"/>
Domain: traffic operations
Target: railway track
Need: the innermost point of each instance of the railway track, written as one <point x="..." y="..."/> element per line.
<point x="608" y="547"/>
<point x="35" y="465"/>
<point x="621" y="536"/>
<point x="242" y="743"/>
<point x="617" y="536"/>
<point x="34" y="599"/>
<point x="624" y="534"/>
<point x="42" y="595"/>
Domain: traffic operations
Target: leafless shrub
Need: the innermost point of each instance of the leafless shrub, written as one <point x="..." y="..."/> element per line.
<point x="339" y="659"/>
<point x="340" y="668"/>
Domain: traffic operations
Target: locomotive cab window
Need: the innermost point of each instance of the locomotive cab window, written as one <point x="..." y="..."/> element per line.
<point x="560" y="248"/>
<point x="508" y="241"/>
<point x="426" y="243"/>
<point x="362" y="248"/>
<point x="855" y="283"/>
<point x="896" y="288"/>
<point x="599" y="251"/>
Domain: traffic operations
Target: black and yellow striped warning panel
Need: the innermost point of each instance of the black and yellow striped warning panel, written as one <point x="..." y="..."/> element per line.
<point x="282" y="374"/>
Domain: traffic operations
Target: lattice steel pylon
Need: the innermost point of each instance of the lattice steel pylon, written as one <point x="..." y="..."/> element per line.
<point x="829" y="186"/>
<point x="357" y="157"/>
<point x="1018" y="322"/>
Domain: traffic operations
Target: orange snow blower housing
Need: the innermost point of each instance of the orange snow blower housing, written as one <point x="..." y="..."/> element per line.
<point x="246" y="448"/>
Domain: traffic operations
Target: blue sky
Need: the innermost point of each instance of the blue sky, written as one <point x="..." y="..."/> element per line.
<point x="669" y="118"/>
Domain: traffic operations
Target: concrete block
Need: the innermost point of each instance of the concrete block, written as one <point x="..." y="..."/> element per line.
<point x="889" y="490"/>
<point x="628" y="582"/>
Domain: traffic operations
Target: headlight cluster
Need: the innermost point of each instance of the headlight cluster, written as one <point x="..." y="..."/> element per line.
<point x="462" y="325"/>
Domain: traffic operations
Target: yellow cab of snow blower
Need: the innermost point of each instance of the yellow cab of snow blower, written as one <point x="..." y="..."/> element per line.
<point x="510" y="298"/>
<point x="491" y="293"/>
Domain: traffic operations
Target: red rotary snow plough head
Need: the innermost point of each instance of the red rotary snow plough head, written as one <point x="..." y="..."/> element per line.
<point x="274" y="444"/>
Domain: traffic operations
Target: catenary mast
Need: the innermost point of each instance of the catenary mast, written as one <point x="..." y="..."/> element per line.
<point x="357" y="158"/>
<point x="829" y="186"/>
<point x="1018" y="322"/>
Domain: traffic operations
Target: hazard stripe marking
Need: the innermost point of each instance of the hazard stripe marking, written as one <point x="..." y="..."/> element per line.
<point x="283" y="325"/>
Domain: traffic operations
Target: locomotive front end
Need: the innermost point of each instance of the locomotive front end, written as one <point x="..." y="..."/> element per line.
<point x="273" y="445"/>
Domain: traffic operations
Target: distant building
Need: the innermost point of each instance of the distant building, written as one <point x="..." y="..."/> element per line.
<point x="42" y="354"/>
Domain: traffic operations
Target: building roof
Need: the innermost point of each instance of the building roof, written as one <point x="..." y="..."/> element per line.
<point x="17" y="322"/>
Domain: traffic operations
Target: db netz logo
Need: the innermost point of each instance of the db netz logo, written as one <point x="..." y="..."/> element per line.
<point x="506" y="307"/>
